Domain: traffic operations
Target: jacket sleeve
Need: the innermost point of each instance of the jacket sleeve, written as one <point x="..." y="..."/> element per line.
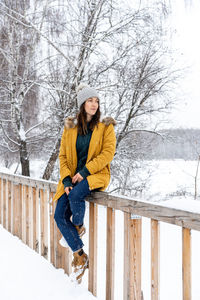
<point x="107" y="153"/>
<point x="64" y="168"/>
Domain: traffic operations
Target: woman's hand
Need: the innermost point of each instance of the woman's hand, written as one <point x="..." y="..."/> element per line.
<point x="76" y="178"/>
<point x="68" y="189"/>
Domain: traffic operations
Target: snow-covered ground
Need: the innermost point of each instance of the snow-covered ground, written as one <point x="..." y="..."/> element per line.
<point x="24" y="274"/>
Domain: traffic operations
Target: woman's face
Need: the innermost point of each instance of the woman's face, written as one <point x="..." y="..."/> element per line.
<point x="91" y="106"/>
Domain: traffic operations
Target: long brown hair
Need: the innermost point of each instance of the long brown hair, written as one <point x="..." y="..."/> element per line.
<point x="82" y="120"/>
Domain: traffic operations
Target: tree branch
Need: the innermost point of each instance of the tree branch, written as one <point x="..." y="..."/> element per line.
<point x="29" y="24"/>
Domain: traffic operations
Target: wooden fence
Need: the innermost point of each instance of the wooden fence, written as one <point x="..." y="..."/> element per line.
<point x="25" y="212"/>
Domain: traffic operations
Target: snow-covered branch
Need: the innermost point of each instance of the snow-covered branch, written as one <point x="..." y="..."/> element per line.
<point x="35" y="126"/>
<point x="29" y="24"/>
<point x="6" y="135"/>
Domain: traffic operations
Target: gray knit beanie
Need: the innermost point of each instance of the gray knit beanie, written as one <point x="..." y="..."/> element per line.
<point x="85" y="92"/>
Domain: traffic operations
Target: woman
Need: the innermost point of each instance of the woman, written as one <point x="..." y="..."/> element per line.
<point x="87" y="148"/>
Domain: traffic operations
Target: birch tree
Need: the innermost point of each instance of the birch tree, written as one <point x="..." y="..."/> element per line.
<point x="19" y="90"/>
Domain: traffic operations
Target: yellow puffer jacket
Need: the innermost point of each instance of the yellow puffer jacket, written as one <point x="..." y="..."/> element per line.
<point x="100" y="153"/>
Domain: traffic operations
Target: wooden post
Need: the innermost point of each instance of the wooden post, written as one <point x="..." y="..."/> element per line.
<point x="186" y="263"/>
<point x="12" y="208"/>
<point x="126" y="257"/>
<point x="135" y="261"/>
<point x="110" y="254"/>
<point x="35" y="194"/>
<point x="155" y="260"/>
<point x="132" y="258"/>
<point x="23" y="213"/>
<point x="65" y="264"/>
<point x="44" y="222"/>
<point x="16" y="211"/>
<point x="20" y="209"/>
<point x="59" y="250"/>
<point x="92" y="276"/>
<point x="6" y="205"/>
<point x="27" y="218"/>
<point x="9" y="205"/>
<point x="68" y="261"/>
<point x="52" y="231"/>
<point x="31" y="245"/>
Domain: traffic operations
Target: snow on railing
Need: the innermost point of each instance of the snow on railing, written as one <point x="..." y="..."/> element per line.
<point x="26" y="210"/>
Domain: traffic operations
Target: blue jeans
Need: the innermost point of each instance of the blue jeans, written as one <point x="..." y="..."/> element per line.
<point x="73" y="206"/>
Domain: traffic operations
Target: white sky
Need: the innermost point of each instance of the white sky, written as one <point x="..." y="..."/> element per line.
<point x="186" y="22"/>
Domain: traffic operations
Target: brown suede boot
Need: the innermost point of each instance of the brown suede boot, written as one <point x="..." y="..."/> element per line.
<point x="81" y="230"/>
<point x="80" y="264"/>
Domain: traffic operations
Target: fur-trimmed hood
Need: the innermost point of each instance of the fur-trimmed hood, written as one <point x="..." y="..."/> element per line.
<point x="71" y="122"/>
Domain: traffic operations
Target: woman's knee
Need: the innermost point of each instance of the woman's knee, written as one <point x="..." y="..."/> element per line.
<point x="79" y="192"/>
<point x="73" y="195"/>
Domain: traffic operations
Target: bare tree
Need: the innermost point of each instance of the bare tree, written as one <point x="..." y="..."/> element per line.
<point x="113" y="47"/>
<point x="98" y="24"/>
<point x="19" y="89"/>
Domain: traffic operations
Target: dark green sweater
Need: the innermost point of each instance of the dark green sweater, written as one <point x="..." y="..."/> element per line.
<point x="82" y="146"/>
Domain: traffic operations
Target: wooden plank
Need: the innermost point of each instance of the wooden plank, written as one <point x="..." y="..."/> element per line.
<point x="8" y="225"/>
<point x="16" y="210"/>
<point x="20" y="209"/>
<point x="148" y="209"/>
<point x="92" y="276"/>
<point x="44" y="222"/>
<point x="155" y="260"/>
<point x="12" y="209"/>
<point x="31" y="244"/>
<point x="24" y="180"/>
<point x="27" y="217"/>
<point x="23" y="213"/>
<point x="35" y="195"/>
<point x="126" y="257"/>
<point x="4" y="202"/>
<point x="110" y="254"/>
<point x="132" y="258"/>
<point x="6" y="205"/>
<point x="52" y="207"/>
<point x="68" y="261"/>
<point x="186" y="263"/>
<point x="59" y="250"/>
<point x="34" y="219"/>
<point x="56" y="237"/>
<point x="135" y="259"/>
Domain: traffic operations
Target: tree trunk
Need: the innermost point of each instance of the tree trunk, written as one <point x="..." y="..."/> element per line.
<point x="51" y="162"/>
<point x="24" y="159"/>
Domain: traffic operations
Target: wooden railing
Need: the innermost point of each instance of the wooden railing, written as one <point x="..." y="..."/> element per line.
<point x="26" y="212"/>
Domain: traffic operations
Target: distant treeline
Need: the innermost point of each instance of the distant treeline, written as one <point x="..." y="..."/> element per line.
<point x="169" y="144"/>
